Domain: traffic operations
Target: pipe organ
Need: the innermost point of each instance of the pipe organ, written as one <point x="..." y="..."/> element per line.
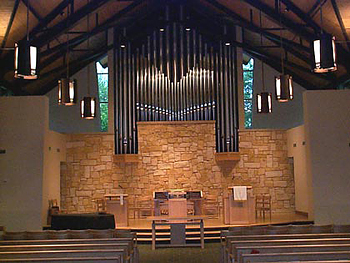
<point x="174" y="74"/>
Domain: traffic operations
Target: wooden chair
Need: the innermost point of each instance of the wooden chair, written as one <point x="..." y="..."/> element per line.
<point x="190" y="207"/>
<point x="262" y="205"/>
<point x="101" y="205"/>
<point x="211" y="206"/>
<point x="143" y="208"/>
<point x="54" y="209"/>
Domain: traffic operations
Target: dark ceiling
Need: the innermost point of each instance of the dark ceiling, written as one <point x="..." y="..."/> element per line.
<point x="52" y="23"/>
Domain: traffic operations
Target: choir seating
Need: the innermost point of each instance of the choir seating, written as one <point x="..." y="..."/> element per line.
<point x="211" y="207"/>
<point x="78" y="245"/>
<point x="143" y="207"/>
<point x="247" y="244"/>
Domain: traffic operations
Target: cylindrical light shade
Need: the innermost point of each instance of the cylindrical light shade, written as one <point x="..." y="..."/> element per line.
<point x="284" y="88"/>
<point x="88" y="108"/>
<point x="324" y="54"/>
<point x="26" y="57"/>
<point x="67" y="91"/>
<point x="264" y="102"/>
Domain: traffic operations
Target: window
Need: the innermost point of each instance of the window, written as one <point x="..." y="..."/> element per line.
<point x="102" y="82"/>
<point x="248" y="77"/>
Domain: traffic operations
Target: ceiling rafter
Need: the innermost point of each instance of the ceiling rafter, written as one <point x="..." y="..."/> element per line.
<point x="341" y="23"/>
<point x="251" y="27"/>
<point x="303" y="16"/>
<point x="102" y="27"/>
<point x="67" y="23"/>
<point x="57" y="51"/>
<point x="32" y="10"/>
<point x="80" y="39"/>
<point x="43" y="23"/>
<point x="13" y="14"/>
<point x="296" y="49"/>
<point x="271" y="12"/>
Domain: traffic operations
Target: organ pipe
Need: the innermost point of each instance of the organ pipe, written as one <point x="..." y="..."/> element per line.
<point x="175" y="74"/>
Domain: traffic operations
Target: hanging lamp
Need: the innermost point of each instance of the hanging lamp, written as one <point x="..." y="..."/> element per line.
<point x="324" y="52"/>
<point x="283" y="82"/>
<point x="263" y="99"/>
<point x="26" y="57"/>
<point x="67" y="88"/>
<point x="88" y="103"/>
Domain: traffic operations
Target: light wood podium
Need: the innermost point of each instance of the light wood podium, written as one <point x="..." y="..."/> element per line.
<point x="177" y="207"/>
<point x="117" y="204"/>
<point x="239" y="212"/>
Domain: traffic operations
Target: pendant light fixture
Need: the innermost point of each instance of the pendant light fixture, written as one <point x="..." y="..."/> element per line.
<point x="263" y="99"/>
<point x="88" y="103"/>
<point x="26" y="56"/>
<point x="283" y="82"/>
<point x="67" y="88"/>
<point x="324" y="52"/>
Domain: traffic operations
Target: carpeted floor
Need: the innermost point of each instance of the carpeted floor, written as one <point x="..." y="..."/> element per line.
<point x="210" y="254"/>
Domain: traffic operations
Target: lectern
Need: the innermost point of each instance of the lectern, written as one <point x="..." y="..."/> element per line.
<point x="239" y="210"/>
<point x="117" y="204"/>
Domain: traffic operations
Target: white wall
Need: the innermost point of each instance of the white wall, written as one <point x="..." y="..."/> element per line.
<point x="297" y="149"/>
<point x="54" y="154"/>
<point x="327" y="132"/>
<point x="66" y="119"/>
<point x="29" y="173"/>
<point x="284" y="115"/>
<point x="22" y="124"/>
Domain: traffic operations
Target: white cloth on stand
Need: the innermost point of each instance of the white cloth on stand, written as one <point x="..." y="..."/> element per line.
<point x="239" y="193"/>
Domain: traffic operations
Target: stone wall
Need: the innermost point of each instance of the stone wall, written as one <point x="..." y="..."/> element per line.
<point x="175" y="155"/>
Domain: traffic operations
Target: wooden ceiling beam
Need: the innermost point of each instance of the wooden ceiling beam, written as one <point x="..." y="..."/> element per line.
<point x="298" y="50"/>
<point x="13" y="14"/>
<point x="250" y="26"/>
<point x="56" y="52"/>
<point x="48" y="19"/>
<point x="271" y="12"/>
<point x="32" y="10"/>
<point x="341" y="23"/>
<point x="67" y="23"/>
<point x="102" y="27"/>
<point x="303" y="16"/>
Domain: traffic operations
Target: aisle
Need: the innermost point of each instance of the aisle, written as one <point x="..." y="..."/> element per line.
<point x="210" y="254"/>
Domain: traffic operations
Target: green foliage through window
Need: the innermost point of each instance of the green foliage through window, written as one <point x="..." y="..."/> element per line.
<point x="102" y="81"/>
<point x="248" y="78"/>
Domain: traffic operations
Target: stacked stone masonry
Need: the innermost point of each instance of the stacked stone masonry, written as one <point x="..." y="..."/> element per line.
<point x="176" y="156"/>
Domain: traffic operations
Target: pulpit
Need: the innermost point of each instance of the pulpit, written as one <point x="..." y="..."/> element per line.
<point x="239" y="206"/>
<point x="117" y="204"/>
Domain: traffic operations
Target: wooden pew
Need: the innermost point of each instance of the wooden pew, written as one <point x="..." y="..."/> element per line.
<point x="128" y="243"/>
<point x="288" y="249"/>
<point x="52" y="254"/>
<point x="232" y="253"/>
<point x="226" y="239"/>
<point x="297" y="256"/>
<point x="66" y="260"/>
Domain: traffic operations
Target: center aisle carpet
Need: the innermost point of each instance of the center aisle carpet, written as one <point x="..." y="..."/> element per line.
<point x="210" y="254"/>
